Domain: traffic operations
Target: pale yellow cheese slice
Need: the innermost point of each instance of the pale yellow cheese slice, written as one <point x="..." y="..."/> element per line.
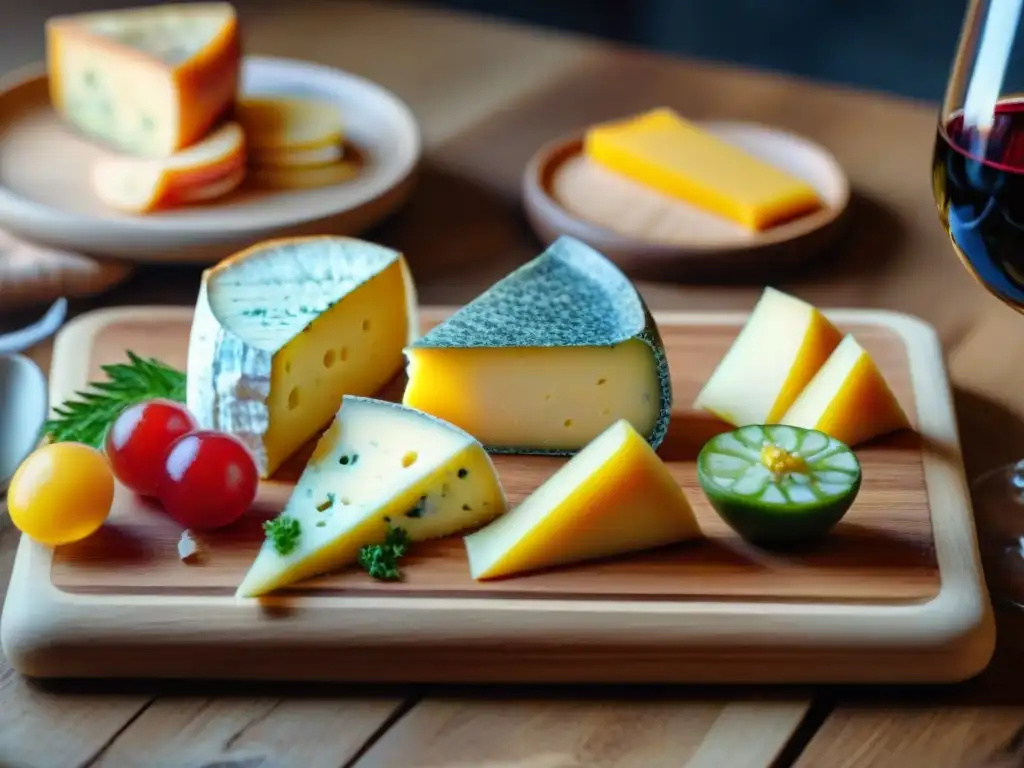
<point x="289" y="122"/>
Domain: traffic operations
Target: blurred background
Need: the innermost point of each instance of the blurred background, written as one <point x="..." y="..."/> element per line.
<point x="900" y="46"/>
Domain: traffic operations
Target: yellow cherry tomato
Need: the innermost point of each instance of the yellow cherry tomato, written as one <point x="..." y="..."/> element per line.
<point x="61" y="493"/>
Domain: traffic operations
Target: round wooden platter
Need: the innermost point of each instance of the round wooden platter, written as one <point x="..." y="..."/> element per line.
<point x="46" y="195"/>
<point x="647" y="233"/>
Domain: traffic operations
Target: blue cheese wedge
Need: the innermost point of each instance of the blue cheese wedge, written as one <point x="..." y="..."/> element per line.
<point x="546" y="359"/>
<point x="283" y="330"/>
<point x="149" y="81"/>
<point x="378" y="464"/>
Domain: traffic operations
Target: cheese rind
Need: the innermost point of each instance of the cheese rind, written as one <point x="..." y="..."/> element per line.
<point x="777" y="352"/>
<point x="209" y="169"/>
<point x="547" y="358"/>
<point x="286" y="328"/>
<point x="665" y="152"/>
<point x="613" y="497"/>
<point x="379" y="463"/>
<point x="289" y="122"/>
<point x="149" y="81"/>
<point x="848" y="399"/>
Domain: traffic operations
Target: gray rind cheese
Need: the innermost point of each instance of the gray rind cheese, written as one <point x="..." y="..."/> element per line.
<point x="547" y="358"/>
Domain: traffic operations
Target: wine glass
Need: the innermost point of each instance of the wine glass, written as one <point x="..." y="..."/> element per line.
<point x="978" y="182"/>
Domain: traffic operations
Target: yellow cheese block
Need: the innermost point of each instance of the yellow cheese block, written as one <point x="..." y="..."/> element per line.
<point x="673" y="156"/>
<point x="204" y="171"/>
<point x="613" y="497"/>
<point x="285" y="329"/>
<point x="302" y="178"/>
<point x="289" y="122"/>
<point x="379" y="464"/>
<point x="150" y="81"/>
<point x="777" y="352"/>
<point x="848" y="398"/>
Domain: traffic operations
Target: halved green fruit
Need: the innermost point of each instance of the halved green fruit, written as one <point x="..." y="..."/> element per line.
<point x="778" y="485"/>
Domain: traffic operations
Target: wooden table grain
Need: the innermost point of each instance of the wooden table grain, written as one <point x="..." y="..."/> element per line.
<point x="487" y="94"/>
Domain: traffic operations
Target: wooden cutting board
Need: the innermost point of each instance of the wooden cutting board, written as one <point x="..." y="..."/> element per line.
<point x="894" y="594"/>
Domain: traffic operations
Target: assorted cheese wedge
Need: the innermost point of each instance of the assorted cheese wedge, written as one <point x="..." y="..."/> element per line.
<point x="777" y="352"/>
<point x="848" y="398"/>
<point x="613" y="497"/>
<point x="149" y="81"/>
<point x="285" y="329"/>
<point x="546" y="359"/>
<point x="205" y="171"/>
<point x="661" y="150"/>
<point x="379" y="465"/>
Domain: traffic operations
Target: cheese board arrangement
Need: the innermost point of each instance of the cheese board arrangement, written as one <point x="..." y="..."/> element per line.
<point x="668" y="197"/>
<point x="148" y="136"/>
<point x="309" y="476"/>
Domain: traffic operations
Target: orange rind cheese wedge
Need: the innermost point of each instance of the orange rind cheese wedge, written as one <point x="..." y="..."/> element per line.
<point x="289" y="122"/>
<point x="149" y="81"/>
<point x="205" y="171"/>
<point x="296" y="158"/>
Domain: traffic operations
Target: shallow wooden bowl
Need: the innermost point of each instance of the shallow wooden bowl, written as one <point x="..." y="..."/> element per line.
<point x="46" y="194"/>
<point x="650" y="234"/>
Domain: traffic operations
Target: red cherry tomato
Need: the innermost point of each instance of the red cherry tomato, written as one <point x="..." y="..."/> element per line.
<point x="209" y="480"/>
<point x="139" y="439"/>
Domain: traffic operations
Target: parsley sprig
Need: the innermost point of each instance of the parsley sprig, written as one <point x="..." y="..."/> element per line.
<point x="381" y="560"/>
<point x="283" y="533"/>
<point x="86" y="418"/>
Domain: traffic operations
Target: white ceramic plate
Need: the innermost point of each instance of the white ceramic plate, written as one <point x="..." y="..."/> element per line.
<point x="23" y="408"/>
<point x="45" y="194"/>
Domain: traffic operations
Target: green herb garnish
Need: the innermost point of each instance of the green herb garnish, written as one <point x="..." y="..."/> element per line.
<point x="87" y="418"/>
<point x="381" y="560"/>
<point x="283" y="534"/>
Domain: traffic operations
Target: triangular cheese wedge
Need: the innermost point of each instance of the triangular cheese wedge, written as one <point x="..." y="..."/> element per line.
<point x="782" y="345"/>
<point x="546" y="359"/>
<point x="379" y="464"/>
<point x="150" y="81"/>
<point x="848" y="399"/>
<point x="286" y="328"/>
<point x="209" y="169"/>
<point x="613" y="497"/>
<point x="289" y="122"/>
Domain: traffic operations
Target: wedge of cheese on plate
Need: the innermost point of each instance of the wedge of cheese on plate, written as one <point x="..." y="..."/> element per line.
<point x="150" y="81"/>
<point x="546" y="359"/>
<point x="777" y="352"/>
<point x="661" y="150"/>
<point x="848" y="399"/>
<point x="205" y="171"/>
<point x="274" y="123"/>
<point x="379" y="464"/>
<point x="286" y="328"/>
<point x="613" y="497"/>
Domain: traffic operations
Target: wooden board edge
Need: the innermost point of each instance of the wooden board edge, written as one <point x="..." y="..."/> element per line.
<point x="946" y="639"/>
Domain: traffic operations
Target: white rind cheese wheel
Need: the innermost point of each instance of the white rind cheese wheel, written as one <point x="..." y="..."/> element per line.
<point x="283" y="330"/>
<point x="150" y="81"/>
<point x="205" y="171"/>
<point x="289" y="122"/>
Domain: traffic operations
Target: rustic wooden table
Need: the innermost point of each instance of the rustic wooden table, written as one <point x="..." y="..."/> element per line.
<point x="487" y="95"/>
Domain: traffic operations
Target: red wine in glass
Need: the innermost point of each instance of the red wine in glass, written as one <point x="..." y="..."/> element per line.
<point x="978" y="180"/>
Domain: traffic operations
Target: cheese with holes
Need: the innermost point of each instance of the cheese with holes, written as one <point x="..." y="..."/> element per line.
<point x="289" y="122"/>
<point x="848" y="398"/>
<point x="782" y="345"/>
<point x="379" y="463"/>
<point x="546" y="359"/>
<point x="613" y="497"/>
<point x="150" y="81"/>
<point x="664" y="152"/>
<point x="207" y="170"/>
<point x="286" y="328"/>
